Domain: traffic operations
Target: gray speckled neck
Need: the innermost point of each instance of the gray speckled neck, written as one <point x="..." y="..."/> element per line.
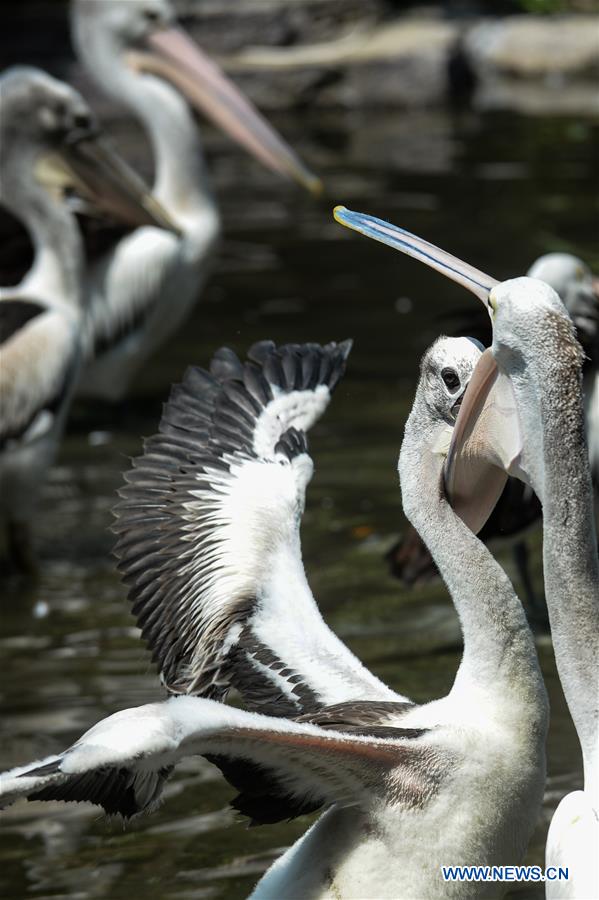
<point x="498" y="645"/>
<point x="570" y="542"/>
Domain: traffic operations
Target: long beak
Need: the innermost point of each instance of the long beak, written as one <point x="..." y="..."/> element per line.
<point x="486" y="444"/>
<point x="177" y="59"/>
<point x="88" y="166"/>
<point x="377" y="229"/>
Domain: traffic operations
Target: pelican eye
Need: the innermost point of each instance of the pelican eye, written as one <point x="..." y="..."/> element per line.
<point x="152" y="16"/>
<point x="82" y="120"/>
<point x="451" y="379"/>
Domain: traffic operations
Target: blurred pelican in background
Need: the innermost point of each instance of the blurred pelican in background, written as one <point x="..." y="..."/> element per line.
<point x="145" y="285"/>
<point x="50" y="147"/>
<point x="209" y="546"/>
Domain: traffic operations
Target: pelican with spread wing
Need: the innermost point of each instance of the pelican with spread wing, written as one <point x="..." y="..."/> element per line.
<point x="208" y="544"/>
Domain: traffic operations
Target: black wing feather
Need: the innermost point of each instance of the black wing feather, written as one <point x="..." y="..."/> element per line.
<point x="209" y="418"/>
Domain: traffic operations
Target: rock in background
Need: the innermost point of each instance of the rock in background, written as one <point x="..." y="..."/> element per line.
<point x="349" y="53"/>
<point x="358" y="53"/>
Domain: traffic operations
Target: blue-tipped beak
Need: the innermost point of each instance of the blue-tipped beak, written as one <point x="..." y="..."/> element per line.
<point x="450" y="266"/>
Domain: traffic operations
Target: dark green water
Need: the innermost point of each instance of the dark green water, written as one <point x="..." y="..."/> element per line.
<point x="496" y="190"/>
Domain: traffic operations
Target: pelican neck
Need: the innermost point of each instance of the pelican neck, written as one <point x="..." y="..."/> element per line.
<point x="569" y="540"/>
<point x="499" y="651"/>
<point x="56" y="272"/>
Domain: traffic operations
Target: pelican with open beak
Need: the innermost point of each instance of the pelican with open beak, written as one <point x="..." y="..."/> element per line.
<point x="523" y="414"/>
<point x="147" y="282"/>
<point x="52" y="155"/>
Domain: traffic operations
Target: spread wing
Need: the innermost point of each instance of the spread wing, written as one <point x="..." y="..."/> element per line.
<point x="39" y="351"/>
<point x="122" y="762"/>
<point x="208" y="536"/>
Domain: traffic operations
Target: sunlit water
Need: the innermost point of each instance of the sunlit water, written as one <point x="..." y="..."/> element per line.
<point x="497" y="191"/>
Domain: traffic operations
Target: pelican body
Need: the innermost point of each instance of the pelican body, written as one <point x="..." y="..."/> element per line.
<point x="49" y="145"/>
<point x="208" y="542"/>
<point x="141" y="290"/>
<point x="523" y="415"/>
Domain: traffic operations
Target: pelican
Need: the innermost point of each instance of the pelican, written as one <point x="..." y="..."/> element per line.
<point x="522" y="414"/>
<point x="208" y="542"/>
<point x="518" y="507"/>
<point x="143" y="287"/>
<point x="49" y="145"/>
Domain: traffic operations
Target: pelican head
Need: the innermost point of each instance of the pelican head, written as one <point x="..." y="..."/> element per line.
<point x="512" y="388"/>
<point x="39" y="114"/>
<point x="48" y="130"/>
<point x="39" y="106"/>
<point x="445" y="371"/>
<point x="123" y="26"/>
<point x="521" y="309"/>
<point x="142" y="38"/>
<point x="579" y="290"/>
<point x="562" y="271"/>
